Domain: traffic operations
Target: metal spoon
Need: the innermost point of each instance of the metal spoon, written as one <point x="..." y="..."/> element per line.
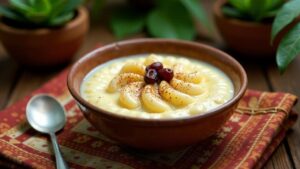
<point x="45" y="114"/>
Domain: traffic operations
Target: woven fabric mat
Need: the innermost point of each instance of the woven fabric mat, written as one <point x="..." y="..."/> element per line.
<point x="246" y="140"/>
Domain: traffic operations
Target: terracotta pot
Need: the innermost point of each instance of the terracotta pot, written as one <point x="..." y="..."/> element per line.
<point x="157" y="134"/>
<point x="45" y="47"/>
<point x="245" y="37"/>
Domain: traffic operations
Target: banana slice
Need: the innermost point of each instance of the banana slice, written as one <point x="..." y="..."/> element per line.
<point x="151" y="59"/>
<point x="152" y="101"/>
<point x="173" y="96"/>
<point x="186" y="87"/>
<point x="132" y="67"/>
<point x="122" y="80"/>
<point x="129" y="95"/>
<point x="194" y="77"/>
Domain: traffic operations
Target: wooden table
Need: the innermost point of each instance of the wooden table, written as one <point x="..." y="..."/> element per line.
<point x="16" y="82"/>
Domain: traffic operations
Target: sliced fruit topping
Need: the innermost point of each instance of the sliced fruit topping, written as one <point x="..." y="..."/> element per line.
<point x="194" y="77"/>
<point x="155" y="87"/>
<point x="173" y="96"/>
<point x="186" y="87"/>
<point x="152" y="101"/>
<point x="122" y="80"/>
<point x="131" y="67"/>
<point x="129" y="95"/>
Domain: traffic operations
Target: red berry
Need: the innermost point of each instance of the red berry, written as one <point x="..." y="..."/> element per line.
<point x="151" y="76"/>
<point x="166" y="74"/>
<point x="155" y="65"/>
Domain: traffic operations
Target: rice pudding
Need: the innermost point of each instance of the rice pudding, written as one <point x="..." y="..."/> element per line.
<point x="157" y="86"/>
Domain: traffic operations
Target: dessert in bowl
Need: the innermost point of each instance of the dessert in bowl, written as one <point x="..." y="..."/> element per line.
<point x="157" y="94"/>
<point x="156" y="86"/>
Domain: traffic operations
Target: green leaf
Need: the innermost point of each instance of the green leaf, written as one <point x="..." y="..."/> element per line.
<point x="196" y="9"/>
<point x="34" y="11"/>
<point x="8" y="13"/>
<point x="254" y="10"/>
<point x="31" y="2"/>
<point x="285" y="16"/>
<point x="172" y="22"/>
<point x="60" y="20"/>
<point x="241" y="5"/>
<point x="288" y="48"/>
<point x="127" y="21"/>
<point x="39" y="11"/>
<point x="57" y="8"/>
<point x="258" y="9"/>
<point x="71" y="5"/>
<point x="42" y="6"/>
<point x="63" y="11"/>
<point x="20" y="5"/>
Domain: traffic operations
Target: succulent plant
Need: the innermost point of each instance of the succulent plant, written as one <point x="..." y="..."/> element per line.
<point x="254" y="10"/>
<point x="40" y="13"/>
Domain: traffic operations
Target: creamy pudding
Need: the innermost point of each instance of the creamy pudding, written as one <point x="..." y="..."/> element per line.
<point x="157" y="86"/>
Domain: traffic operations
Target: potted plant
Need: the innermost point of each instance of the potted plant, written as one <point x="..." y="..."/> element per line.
<point x="260" y="29"/>
<point x="43" y="33"/>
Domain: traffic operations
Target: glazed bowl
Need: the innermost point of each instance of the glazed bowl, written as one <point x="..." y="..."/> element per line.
<point x="157" y="134"/>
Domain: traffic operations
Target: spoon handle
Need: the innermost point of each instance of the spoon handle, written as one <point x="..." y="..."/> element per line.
<point x="60" y="162"/>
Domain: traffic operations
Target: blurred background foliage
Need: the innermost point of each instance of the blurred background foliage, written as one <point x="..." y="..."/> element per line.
<point x="158" y="18"/>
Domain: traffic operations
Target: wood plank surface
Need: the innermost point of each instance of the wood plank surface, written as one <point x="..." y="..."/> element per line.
<point x="279" y="159"/>
<point x="28" y="82"/>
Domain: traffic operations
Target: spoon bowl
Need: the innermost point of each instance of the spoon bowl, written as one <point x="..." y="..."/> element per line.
<point x="45" y="114"/>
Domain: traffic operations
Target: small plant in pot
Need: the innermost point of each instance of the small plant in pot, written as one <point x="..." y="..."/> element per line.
<point x="260" y="29"/>
<point x="43" y="33"/>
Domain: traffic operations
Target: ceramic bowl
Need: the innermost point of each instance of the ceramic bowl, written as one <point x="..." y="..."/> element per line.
<point x="157" y="134"/>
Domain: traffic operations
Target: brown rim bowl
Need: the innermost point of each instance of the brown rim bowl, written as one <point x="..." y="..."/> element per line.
<point x="157" y="134"/>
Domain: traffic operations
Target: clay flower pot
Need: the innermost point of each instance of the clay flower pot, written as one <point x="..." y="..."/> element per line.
<point x="45" y="47"/>
<point x="245" y="37"/>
